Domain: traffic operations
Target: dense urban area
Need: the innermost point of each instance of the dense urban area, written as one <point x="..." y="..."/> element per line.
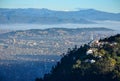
<point x="48" y="41"/>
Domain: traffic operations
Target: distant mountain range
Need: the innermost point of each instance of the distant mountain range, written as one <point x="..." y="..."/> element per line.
<point x="45" y="16"/>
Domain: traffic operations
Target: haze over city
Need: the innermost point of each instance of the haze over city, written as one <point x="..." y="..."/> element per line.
<point x="59" y="40"/>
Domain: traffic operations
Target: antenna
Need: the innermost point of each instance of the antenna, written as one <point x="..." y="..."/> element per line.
<point x="91" y="37"/>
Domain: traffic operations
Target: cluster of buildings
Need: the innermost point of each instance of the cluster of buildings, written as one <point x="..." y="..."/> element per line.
<point x="95" y="47"/>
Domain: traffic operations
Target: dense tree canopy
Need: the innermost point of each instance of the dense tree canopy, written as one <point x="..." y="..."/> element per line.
<point x="103" y="64"/>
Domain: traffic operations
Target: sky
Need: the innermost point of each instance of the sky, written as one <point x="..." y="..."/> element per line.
<point x="64" y="5"/>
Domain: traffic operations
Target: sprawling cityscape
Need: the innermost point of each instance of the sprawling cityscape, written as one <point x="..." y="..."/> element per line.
<point x="47" y="42"/>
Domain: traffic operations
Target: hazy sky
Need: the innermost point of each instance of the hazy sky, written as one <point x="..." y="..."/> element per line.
<point x="104" y="5"/>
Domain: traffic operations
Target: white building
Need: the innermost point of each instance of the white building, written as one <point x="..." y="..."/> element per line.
<point x="89" y="52"/>
<point x="92" y="61"/>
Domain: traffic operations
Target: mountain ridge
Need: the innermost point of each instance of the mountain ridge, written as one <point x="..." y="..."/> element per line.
<point x="46" y="16"/>
<point x="55" y="31"/>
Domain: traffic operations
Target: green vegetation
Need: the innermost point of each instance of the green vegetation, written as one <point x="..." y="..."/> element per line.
<point x="102" y="64"/>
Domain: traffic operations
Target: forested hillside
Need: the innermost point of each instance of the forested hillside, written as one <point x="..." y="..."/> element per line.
<point x="98" y="60"/>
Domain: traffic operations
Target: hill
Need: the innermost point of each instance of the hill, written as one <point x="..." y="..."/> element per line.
<point x="96" y="61"/>
<point x="51" y="31"/>
<point x="45" y="16"/>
